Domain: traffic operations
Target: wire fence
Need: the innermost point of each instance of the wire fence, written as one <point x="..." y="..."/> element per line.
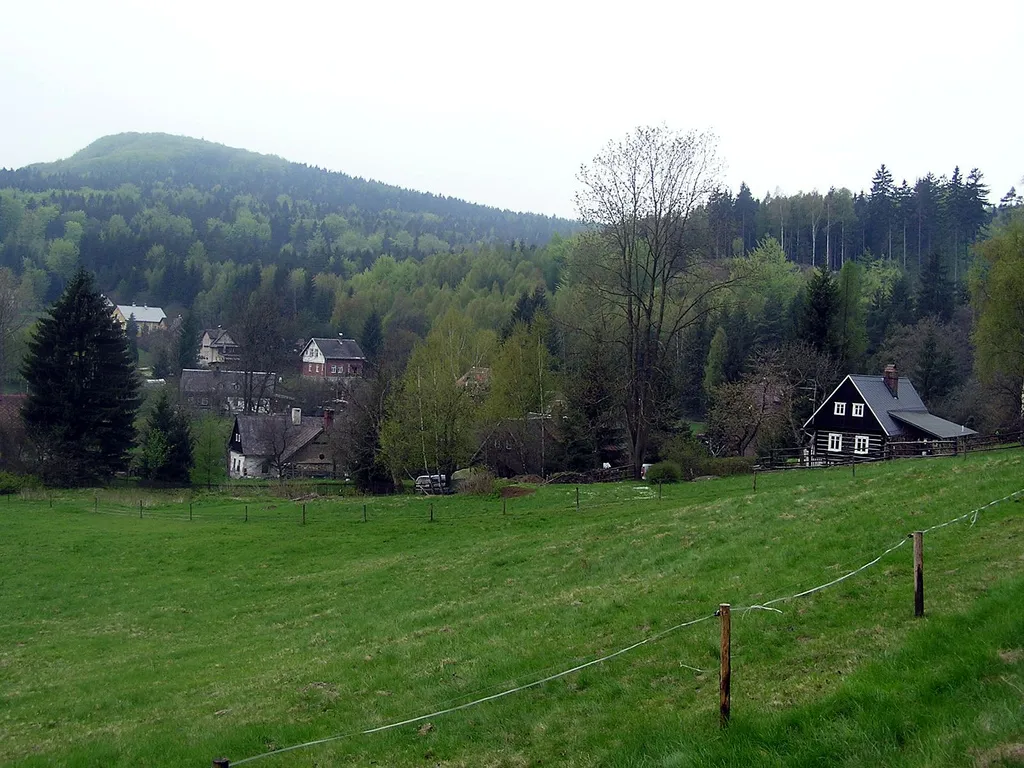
<point x="725" y="673"/>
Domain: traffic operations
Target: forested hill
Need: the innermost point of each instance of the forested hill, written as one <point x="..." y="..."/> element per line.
<point x="122" y="195"/>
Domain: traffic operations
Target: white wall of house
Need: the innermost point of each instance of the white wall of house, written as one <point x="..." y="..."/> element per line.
<point x="312" y="354"/>
<point x="240" y="465"/>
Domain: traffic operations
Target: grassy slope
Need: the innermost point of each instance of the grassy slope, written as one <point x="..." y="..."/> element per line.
<point x="165" y="642"/>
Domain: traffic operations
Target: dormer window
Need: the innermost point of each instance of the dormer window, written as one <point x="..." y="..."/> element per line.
<point x="858" y="410"/>
<point x="840" y="409"/>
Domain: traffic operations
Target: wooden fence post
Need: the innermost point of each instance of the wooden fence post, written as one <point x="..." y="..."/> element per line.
<point x="96" y="503"/>
<point x="504" y="504"/>
<point x="725" y="669"/>
<point x="247" y="513"/>
<point x="918" y="573"/>
<point x="140" y="509"/>
<point x="190" y="510"/>
<point x="577" y="498"/>
<point x="431" y="511"/>
<point x="755" y="479"/>
<point x="364" y="513"/>
<point x="659" y="489"/>
<point x="303" y="514"/>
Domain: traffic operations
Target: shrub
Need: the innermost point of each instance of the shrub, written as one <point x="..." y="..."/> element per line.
<point x="734" y="465"/>
<point x="12" y="483"/>
<point x="478" y="482"/>
<point x="664" y="472"/>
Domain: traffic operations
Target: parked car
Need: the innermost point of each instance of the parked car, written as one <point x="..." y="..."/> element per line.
<point x="432" y="484"/>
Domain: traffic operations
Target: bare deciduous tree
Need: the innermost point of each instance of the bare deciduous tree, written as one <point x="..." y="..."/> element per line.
<point x="640" y="196"/>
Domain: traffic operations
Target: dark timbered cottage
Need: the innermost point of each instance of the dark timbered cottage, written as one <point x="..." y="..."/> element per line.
<point x="865" y="413"/>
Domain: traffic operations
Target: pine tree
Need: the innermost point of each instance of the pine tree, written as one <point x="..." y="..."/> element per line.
<point x="818" y="324"/>
<point x="82" y="389"/>
<point x="166" y="454"/>
<point x="188" y="343"/>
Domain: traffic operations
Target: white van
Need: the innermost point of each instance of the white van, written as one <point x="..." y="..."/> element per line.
<point x="431" y="484"/>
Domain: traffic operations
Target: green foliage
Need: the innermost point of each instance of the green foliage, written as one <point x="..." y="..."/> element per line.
<point x="15" y="483"/>
<point x="850" y="316"/>
<point x="714" y="369"/>
<point x="82" y="389"/>
<point x="664" y="472"/>
<point x="211" y="434"/>
<point x="166" y="450"/>
<point x="997" y="290"/>
<point x="819" y="325"/>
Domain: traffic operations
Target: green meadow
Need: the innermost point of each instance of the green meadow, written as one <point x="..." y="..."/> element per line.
<point x="171" y="641"/>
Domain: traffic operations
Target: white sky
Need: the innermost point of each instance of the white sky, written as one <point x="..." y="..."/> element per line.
<point x="500" y="104"/>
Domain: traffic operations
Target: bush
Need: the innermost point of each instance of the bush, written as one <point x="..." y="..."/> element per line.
<point x="12" y="483"/>
<point x="478" y="482"/>
<point x="734" y="465"/>
<point x="664" y="472"/>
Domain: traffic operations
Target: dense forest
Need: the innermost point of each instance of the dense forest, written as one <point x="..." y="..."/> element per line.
<point x="814" y="285"/>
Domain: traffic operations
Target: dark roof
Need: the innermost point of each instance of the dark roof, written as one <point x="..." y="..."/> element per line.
<point x="219" y="337"/>
<point x="880" y="400"/>
<point x="932" y="425"/>
<point x="893" y="412"/>
<point x="258" y="432"/>
<point x="338" y="349"/>
<point x="211" y="381"/>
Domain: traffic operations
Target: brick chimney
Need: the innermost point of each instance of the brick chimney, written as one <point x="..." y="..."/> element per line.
<point x="328" y="418"/>
<point x="892" y="380"/>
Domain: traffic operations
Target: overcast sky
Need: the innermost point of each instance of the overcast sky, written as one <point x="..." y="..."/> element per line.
<point x="501" y="103"/>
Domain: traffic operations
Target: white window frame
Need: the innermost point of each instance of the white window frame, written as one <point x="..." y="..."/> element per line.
<point x="835" y="442"/>
<point x="839" y="409"/>
<point x="858" y="410"/>
<point x="860" y="444"/>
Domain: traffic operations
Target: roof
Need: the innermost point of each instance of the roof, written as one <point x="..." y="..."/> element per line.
<point x="142" y="314"/>
<point x="338" y="349"/>
<point x="476" y="376"/>
<point x="259" y="433"/>
<point x="219" y="337"/>
<point x="932" y="425"/>
<point x="893" y="412"/>
<point x="211" y="381"/>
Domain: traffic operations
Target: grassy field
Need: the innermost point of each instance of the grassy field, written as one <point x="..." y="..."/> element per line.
<point x="169" y="641"/>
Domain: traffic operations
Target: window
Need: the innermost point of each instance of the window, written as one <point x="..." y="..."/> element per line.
<point x="334" y="369"/>
<point x="860" y="444"/>
<point x="858" y="410"/>
<point x="840" y="409"/>
<point x="835" y="441"/>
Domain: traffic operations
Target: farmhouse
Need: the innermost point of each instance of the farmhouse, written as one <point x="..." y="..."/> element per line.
<point x="216" y="347"/>
<point x="865" y="413"/>
<point x="332" y="359"/>
<point x="146" y="318"/>
<point x="281" y="445"/>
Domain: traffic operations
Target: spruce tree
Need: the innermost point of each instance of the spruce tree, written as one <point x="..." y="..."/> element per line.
<point x="166" y="454"/>
<point x="82" y="389"/>
<point x="188" y="343"/>
<point x="372" y="338"/>
<point x="819" y="322"/>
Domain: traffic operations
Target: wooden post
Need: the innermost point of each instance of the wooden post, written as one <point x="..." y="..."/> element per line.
<point x="96" y="503"/>
<point x="303" y="514"/>
<point x="577" y="498"/>
<point x="364" y="513"/>
<point x="247" y="513"/>
<point x="431" y="511"/>
<point x="853" y="466"/>
<point x="221" y="762"/>
<point x="190" y="510"/>
<point x="659" y="489"/>
<point x="725" y="670"/>
<point x="504" y="504"/>
<point x="755" y="479"/>
<point x="919" y="573"/>
<point x="140" y="509"/>
<point x="51" y="502"/>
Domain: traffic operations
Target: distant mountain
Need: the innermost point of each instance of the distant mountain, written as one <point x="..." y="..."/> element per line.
<point x="144" y="159"/>
<point x="148" y="211"/>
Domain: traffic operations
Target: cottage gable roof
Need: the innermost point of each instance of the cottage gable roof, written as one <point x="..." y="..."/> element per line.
<point x="142" y="314"/>
<point x="894" y="413"/>
<point x="337" y="349"/>
<point x="219" y="337"/>
<point x="258" y="434"/>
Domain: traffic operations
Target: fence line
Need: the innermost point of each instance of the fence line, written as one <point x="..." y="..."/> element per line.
<point x="766" y="606"/>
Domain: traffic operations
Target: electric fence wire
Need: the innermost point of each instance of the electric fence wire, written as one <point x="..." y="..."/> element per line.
<point x="476" y="702"/>
<point x="973" y="515"/>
